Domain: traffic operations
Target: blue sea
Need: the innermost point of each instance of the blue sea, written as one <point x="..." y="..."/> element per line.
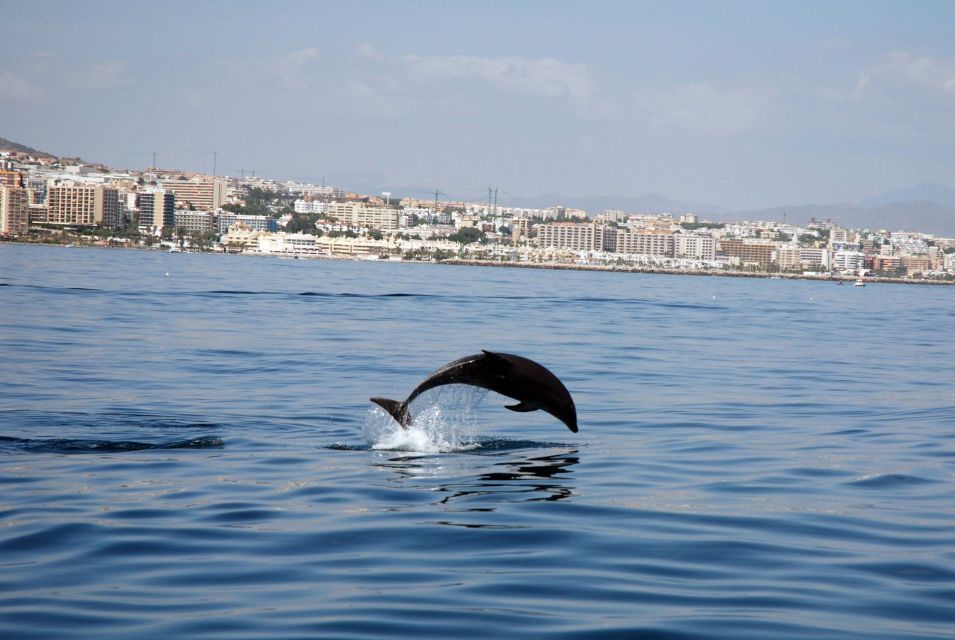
<point x="187" y="450"/>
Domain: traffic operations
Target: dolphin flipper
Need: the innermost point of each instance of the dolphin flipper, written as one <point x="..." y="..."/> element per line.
<point x="521" y="407"/>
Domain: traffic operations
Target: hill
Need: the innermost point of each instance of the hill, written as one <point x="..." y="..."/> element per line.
<point x="9" y="145"/>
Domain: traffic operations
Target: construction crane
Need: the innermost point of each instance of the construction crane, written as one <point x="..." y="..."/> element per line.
<point x="436" y="194"/>
<point x="492" y="210"/>
<point x="215" y="157"/>
<point x="146" y="153"/>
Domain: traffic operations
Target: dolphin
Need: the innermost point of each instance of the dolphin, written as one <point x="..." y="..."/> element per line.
<point x="531" y="384"/>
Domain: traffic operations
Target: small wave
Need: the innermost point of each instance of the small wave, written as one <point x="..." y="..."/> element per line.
<point x="889" y="481"/>
<point x="82" y="445"/>
<point x="322" y="294"/>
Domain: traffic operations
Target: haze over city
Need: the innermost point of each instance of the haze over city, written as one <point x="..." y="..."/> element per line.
<point x="740" y="105"/>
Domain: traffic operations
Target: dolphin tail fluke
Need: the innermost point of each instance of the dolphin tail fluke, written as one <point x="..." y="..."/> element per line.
<point x="397" y="410"/>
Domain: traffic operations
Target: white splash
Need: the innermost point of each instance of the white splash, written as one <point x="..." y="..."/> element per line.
<point x="444" y="421"/>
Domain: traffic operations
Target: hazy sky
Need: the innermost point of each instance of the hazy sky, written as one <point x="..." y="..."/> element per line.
<point x="737" y="104"/>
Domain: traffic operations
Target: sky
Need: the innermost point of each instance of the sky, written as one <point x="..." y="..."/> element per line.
<point x="736" y="104"/>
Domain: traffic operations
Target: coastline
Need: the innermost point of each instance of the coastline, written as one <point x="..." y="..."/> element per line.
<point x="683" y="272"/>
<point x="461" y="262"/>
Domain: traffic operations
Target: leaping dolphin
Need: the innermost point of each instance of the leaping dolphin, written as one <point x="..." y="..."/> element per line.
<point x="531" y="384"/>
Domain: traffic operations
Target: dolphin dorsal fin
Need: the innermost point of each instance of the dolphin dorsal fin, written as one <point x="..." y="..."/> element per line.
<point x="497" y="361"/>
<point x="521" y="407"/>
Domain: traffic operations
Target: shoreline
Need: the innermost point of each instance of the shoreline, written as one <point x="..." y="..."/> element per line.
<point x="461" y="262"/>
<point x="685" y="272"/>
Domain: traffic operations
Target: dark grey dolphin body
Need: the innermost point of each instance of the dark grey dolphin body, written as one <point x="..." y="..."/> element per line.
<point x="531" y="384"/>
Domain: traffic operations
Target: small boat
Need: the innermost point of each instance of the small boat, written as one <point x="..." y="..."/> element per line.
<point x="859" y="283"/>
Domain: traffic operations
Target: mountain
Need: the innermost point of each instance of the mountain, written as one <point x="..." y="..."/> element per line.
<point x="9" y="145"/>
<point x="925" y="192"/>
<point x="920" y="215"/>
<point x="929" y="208"/>
<point x="649" y="203"/>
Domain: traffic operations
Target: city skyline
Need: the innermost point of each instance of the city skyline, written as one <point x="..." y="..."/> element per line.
<point x="742" y="105"/>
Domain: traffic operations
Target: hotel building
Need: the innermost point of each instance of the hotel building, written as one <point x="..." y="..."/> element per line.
<point x="85" y="205"/>
<point x="156" y="208"/>
<point x="14" y="211"/>
<point x="198" y="193"/>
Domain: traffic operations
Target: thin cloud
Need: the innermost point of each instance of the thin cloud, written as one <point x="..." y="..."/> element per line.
<point x="292" y="71"/>
<point x="545" y="77"/>
<point x="15" y="88"/>
<point x="100" y="76"/>
<point x="922" y="71"/>
<point x="704" y="108"/>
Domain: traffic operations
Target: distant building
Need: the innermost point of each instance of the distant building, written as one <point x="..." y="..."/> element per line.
<point x="916" y="264"/>
<point x="611" y="215"/>
<point x="10" y="179"/>
<point x="761" y="253"/>
<point x="647" y="243"/>
<point x="85" y="205"/>
<point x="194" y="221"/>
<point x="690" y="246"/>
<point x="359" y="214"/>
<point x="156" y="208"/>
<point x="14" y="210"/>
<point x="198" y="193"/>
<point x="291" y="244"/>
<point x="848" y="260"/>
<point x="575" y="236"/>
<point x="794" y="257"/>
<point x="255" y="223"/>
<point x="313" y="206"/>
<point x="886" y="265"/>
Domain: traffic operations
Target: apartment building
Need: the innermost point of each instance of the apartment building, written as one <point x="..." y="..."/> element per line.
<point x="14" y="210"/>
<point x="81" y="204"/>
<point x="792" y="257"/>
<point x="358" y="214"/>
<point x="10" y="178"/>
<point x="576" y="236"/>
<point x="762" y="253"/>
<point x="255" y="223"/>
<point x="691" y="246"/>
<point x="194" y="221"/>
<point x="198" y="193"/>
<point x="156" y="208"/>
<point x="647" y="243"/>
<point x="310" y="206"/>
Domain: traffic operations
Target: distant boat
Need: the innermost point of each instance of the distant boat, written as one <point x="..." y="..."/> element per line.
<point x="859" y="283"/>
<point x="175" y="250"/>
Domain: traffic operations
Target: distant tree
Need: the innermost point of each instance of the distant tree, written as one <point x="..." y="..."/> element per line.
<point x="468" y="235"/>
<point x="302" y="223"/>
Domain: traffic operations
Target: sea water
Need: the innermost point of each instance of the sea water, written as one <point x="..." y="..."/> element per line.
<point x="187" y="450"/>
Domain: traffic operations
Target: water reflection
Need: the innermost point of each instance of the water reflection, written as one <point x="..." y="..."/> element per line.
<point x="517" y="479"/>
